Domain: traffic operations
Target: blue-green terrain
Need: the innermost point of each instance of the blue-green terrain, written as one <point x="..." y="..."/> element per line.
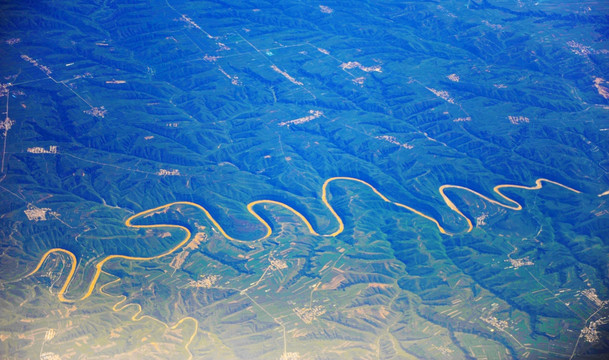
<point x="303" y="180"/>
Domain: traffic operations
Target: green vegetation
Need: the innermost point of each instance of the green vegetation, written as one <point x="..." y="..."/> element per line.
<point x="118" y="107"/>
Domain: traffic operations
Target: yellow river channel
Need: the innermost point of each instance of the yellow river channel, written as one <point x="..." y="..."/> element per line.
<point x="510" y="204"/>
